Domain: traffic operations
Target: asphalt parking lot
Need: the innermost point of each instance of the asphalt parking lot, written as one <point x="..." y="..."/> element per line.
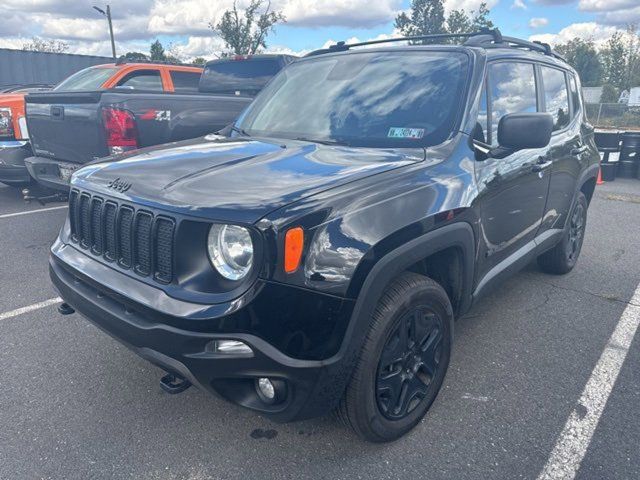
<point x="77" y="405"/>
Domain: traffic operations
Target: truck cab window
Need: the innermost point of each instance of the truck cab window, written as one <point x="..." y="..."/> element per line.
<point x="142" y="80"/>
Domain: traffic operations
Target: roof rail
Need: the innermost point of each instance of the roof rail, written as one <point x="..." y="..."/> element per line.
<point x="484" y="38"/>
<point x="489" y="34"/>
<point x="125" y="61"/>
<point x="535" y="46"/>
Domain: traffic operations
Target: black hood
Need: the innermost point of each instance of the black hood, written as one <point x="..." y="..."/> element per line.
<point x="238" y="180"/>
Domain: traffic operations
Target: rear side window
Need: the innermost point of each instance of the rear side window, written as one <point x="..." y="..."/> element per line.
<point x="247" y="76"/>
<point x="556" y="96"/>
<point x="186" y="82"/>
<point x="142" y="80"/>
<point x="512" y="89"/>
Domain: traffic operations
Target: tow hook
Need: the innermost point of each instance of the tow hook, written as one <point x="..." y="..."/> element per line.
<point x="30" y="195"/>
<point x="173" y="384"/>
<point x="65" y="309"/>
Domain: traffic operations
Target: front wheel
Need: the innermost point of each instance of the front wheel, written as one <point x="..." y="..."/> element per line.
<point x="563" y="257"/>
<point x="403" y="361"/>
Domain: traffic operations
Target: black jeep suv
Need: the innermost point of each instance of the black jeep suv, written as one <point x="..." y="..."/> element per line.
<point x="314" y="255"/>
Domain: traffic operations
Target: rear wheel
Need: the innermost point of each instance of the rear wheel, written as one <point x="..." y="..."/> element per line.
<point x="403" y="360"/>
<point x="563" y="257"/>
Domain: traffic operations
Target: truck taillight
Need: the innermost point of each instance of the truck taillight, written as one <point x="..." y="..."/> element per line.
<point x="120" y="127"/>
<point x="6" y="123"/>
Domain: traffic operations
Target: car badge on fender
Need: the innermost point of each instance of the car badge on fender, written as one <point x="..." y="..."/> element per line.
<point x="118" y="185"/>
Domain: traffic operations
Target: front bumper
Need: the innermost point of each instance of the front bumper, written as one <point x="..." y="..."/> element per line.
<point x="46" y="172"/>
<point x="314" y="387"/>
<point x="12" y="168"/>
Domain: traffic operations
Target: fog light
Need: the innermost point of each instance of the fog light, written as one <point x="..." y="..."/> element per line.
<point x="267" y="389"/>
<point x="231" y="347"/>
<point x="271" y="391"/>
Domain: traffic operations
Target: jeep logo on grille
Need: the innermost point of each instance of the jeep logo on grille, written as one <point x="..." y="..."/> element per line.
<point x="118" y="185"/>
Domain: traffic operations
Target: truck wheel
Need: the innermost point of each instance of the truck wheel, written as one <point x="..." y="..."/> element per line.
<point x="403" y="360"/>
<point x="563" y="257"/>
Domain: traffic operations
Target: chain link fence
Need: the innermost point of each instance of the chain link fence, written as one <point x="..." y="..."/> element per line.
<point x="614" y="115"/>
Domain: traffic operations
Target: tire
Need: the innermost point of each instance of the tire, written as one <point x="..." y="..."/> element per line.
<point x="373" y="404"/>
<point x="563" y="257"/>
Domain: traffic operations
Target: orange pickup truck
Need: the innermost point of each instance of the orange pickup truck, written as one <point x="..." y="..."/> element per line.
<point x="14" y="135"/>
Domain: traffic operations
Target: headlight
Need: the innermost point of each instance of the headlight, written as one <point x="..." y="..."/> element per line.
<point x="230" y="250"/>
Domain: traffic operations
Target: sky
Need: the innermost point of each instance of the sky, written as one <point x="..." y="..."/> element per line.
<point x="310" y="24"/>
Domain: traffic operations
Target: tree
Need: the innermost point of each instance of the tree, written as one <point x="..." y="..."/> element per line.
<point x="134" y="56"/>
<point x="156" y="52"/>
<point x="426" y="18"/>
<point x="246" y="34"/>
<point x="200" y="61"/>
<point x="480" y="19"/>
<point x="37" y="44"/>
<point x="458" y="21"/>
<point x="609" y="94"/>
<point x="584" y="57"/>
<point x="621" y="59"/>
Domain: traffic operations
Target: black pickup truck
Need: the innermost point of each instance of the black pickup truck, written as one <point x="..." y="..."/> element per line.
<point x="71" y="128"/>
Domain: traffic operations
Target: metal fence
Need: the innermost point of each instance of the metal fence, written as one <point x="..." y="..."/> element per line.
<point x="20" y="67"/>
<point x="616" y="115"/>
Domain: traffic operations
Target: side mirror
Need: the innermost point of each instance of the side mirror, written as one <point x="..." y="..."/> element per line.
<point x="521" y="131"/>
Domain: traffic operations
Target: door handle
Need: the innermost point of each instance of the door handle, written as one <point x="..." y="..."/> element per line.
<point x="579" y="151"/>
<point x="541" y="165"/>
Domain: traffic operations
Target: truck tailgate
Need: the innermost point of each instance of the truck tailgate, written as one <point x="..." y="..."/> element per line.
<point x="66" y="126"/>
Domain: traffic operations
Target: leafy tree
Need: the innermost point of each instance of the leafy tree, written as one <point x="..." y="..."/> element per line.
<point x="584" y="57"/>
<point x="426" y="18"/>
<point x="37" y="44"/>
<point x="458" y="21"/>
<point x="133" y="56"/>
<point x="156" y="52"/>
<point x="246" y="34"/>
<point x="480" y="19"/>
<point x="610" y="94"/>
<point x="200" y="61"/>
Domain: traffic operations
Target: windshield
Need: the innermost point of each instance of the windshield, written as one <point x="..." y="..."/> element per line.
<point x="376" y="99"/>
<point x="88" y="79"/>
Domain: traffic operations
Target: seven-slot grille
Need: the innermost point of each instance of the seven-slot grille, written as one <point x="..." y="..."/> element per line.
<point x="135" y="239"/>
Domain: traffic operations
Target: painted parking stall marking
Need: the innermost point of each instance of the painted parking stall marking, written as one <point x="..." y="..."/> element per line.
<point x="29" y="308"/>
<point x="19" y="214"/>
<point x="576" y="436"/>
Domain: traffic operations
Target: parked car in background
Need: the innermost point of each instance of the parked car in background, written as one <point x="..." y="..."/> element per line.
<point x="316" y="256"/>
<point x="111" y="109"/>
<point x="14" y="137"/>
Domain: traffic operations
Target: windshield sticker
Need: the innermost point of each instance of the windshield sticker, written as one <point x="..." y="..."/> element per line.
<point x="406" y="133"/>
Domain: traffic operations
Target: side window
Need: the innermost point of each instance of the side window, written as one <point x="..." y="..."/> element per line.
<point x="512" y="89"/>
<point x="556" y="96"/>
<point x="186" y="82"/>
<point x="575" y="95"/>
<point x="142" y="80"/>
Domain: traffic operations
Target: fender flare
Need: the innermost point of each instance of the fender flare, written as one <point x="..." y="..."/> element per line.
<point x="458" y="235"/>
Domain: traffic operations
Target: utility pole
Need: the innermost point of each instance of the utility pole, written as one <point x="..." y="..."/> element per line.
<point x="108" y="15"/>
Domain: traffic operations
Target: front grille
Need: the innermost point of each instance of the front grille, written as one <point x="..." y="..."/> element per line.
<point x="135" y="238"/>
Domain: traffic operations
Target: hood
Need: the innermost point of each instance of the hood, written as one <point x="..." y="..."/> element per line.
<point x="239" y="180"/>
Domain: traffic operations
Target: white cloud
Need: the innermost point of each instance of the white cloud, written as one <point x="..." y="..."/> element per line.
<point x="519" y="4"/>
<point x="588" y="30"/>
<point x="537" y="22"/>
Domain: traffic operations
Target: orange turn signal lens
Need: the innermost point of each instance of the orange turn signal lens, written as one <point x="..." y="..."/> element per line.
<point x="293" y="244"/>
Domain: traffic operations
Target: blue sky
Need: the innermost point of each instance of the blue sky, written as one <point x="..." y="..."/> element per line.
<point x="311" y="23"/>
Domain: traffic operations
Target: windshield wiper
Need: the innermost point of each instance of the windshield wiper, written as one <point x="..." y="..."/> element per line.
<point x="239" y="130"/>
<point x="321" y="142"/>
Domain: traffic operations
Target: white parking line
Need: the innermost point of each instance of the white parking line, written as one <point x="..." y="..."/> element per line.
<point x="575" y="438"/>
<point x="30" y="308"/>
<point x="18" y="214"/>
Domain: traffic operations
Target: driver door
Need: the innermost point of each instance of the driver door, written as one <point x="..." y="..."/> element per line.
<point x="512" y="190"/>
